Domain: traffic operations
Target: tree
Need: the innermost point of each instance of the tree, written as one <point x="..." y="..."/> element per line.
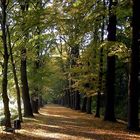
<point x="84" y="104"/>
<point x="15" y="76"/>
<point x="24" y="81"/>
<point x="133" y="91"/>
<point x="4" y="5"/>
<point x="74" y="57"/>
<point x="110" y="75"/>
<point x="89" y="101"/>
<point x="36" y="67"/>
<point x="100" y="74"/>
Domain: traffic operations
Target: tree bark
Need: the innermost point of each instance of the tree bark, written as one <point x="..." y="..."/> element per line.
<point x="77" y="101"/>
<point x="41" y="104"/>
<point x="100" y="78"/>
<point x="110" y="77"/>
<point x="109" y="112"/>
<point x="24" y="85"/>
<point x="83" y="109"/>
<point x="133" y="90"/>
<point x="5" y="66"/>
<point x="35" y="105"/>
<point x="67" y="98"/>
<point x="100" y="75"/>
<point x="15" y="77"/>
<point x="75" y="94"/>
<point x="24" y="82"/>
<point x="89" y="101"/>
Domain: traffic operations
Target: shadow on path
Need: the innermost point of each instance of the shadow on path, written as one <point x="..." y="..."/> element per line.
<point x="59" y="123"/>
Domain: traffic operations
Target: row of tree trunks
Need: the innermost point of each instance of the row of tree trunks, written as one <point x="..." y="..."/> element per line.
<point x="85" y="104"/>
<point x="24" y="82"/>
<point x="133" y="89"/>
<point x="72" y="100"/>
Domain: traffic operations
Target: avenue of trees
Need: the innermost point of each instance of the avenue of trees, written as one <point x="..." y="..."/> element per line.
<point x="83" y="54"/>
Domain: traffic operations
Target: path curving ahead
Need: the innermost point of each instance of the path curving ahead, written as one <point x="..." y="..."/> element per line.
<point x="59" y="123"/>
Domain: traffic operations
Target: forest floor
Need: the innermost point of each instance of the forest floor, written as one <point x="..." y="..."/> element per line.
<point x="59" y="123"/>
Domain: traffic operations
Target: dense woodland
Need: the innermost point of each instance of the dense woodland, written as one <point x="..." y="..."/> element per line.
<point x="83" y="54"/>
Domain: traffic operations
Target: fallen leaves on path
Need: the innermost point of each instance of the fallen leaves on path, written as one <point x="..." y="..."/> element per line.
<point x="59" y="123"/>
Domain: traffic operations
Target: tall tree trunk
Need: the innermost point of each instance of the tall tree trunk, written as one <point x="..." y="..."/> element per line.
<point x="74" y="57"/>
<point x="68" y="96"/>
<point x="100" y="75"/>
<point x="84" y="104"/>
<point x="41" y="104"/>
<point x="109" y="112"/>
<point x="77" y="101"/>
<point x="37" y="66"/>
<point x="73" y="96"/>
<point x="35" y="105"/>
<point x="5" y="66"/>
<point x="70" y="100"/>
<point x="24" y="85"/>
<point x="133" y="91"/>
<point x="110" y="77"/>
<point x="89" y="101"/>
<point x="15" y="77"/>
<point x="35" y="94"/>
<point x="24" y="82"/>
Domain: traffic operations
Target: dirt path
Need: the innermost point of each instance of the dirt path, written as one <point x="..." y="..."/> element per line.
<point x="60" y="123"/>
